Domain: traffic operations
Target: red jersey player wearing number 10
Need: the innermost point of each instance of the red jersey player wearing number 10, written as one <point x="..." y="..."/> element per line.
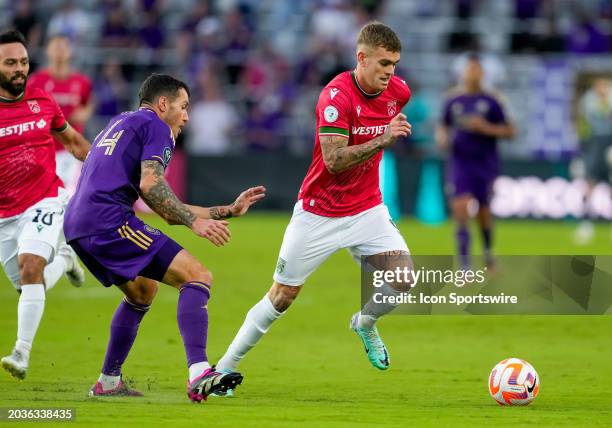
<point x="32" y="199"/>
<point x="340" y="204"/>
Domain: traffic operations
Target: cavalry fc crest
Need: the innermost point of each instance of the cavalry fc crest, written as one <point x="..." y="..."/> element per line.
<point x="392" y="107"/>
<point x="34" y="107"/>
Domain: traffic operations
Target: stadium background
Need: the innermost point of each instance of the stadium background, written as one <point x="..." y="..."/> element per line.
<point x="256" y="68"/>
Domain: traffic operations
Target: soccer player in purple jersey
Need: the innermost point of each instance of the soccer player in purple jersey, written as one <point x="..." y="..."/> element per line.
<point x="127" y="160"/>
<point x="473" y="119"/>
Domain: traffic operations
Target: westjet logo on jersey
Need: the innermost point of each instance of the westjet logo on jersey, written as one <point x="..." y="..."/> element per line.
<point x="20" y="128"/>
<point x="369" y="130"/>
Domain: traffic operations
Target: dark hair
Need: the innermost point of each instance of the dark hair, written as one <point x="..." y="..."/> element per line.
<point x="157" y="85"/>
<point x="12" y="36"/>
<point x="377" y="34"/>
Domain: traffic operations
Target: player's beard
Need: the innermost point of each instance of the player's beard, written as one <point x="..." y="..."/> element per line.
<point x="13" y="88"/>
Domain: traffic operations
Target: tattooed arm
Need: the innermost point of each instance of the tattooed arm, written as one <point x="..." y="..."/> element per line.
<point x="216" y="213"/>
<point x="339" y="156"/>
<point x="239" y="207"/>
<point x="159" y="196"/>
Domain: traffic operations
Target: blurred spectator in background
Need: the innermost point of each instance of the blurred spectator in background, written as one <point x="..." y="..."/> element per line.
<point x="586" y="37"/>
<point x="551" y="39"/>
<point x="187" y="34"/>
<point x="595" y="129"/>
<point x="27" y="23"/>
<point x="263" y="127"/>
<point x="523" y="38"/>
<point x="115" y="31"/>
<point x="462" y="38"/>
<point x="151" y="37"/>
<point x="111" y="91"/>
<point x="336" y="22"/>
<point x="236" y="41"/>
<point x="151" y="34"/>
<point x="72" y="91"/>
<point x="72" y="22"/>
<point x="213" y="121"/>
<point x="275" y="56"/>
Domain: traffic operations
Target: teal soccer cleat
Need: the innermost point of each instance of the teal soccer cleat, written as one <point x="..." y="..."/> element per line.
<point x="229" y="393"/>
<point x="374" y="346"/>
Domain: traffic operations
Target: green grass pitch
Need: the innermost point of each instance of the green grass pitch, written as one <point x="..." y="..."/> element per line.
<point x="310" y="369"/>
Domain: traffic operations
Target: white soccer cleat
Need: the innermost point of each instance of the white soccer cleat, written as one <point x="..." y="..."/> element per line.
<point x="16" y="364"/>
<point x="75" y="273"/>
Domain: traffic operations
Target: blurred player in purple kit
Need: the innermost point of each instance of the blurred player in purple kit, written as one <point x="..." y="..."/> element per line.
<point x="127" y="160"/>
<point x="473" y="119"/>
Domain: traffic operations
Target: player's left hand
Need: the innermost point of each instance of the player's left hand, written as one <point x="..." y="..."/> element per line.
<point x="247" y="198"/>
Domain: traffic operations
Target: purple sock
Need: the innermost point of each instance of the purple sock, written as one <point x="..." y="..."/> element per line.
<point x="192" y="317"/>
<point x="463" y="240"/>
<point x="124" y="327"/>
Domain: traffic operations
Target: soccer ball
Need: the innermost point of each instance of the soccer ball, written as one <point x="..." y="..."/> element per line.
<point x="514" y="382"/>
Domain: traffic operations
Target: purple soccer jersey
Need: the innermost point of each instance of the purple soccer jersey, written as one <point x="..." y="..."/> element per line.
<point x="110" y="179"/>
<point x="474" y="162"/>
<point x="100" y="224"/>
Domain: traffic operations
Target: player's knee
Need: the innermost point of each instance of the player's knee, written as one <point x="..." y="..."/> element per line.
<point x="197" y="273"/>
<point x="145" y="293"/>
<point x="31" y="269"/>
<point x="200" y="274"/>
<point x="282" y="296"/>
<point x="15" y="281"/>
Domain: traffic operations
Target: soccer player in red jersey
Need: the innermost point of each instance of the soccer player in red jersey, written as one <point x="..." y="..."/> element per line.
<point x="32" y="199"/>
<point x="72" y="91"/>
<point x="340" y="204"/>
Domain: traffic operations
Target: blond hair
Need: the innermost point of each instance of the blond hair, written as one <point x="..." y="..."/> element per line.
<point x="376" y="34"/>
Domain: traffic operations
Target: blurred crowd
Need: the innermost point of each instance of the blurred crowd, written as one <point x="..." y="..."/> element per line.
<point x="256" y="66"/>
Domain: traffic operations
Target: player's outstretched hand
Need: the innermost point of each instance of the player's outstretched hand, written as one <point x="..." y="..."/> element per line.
<point x="398" y="127"/>
<point x="215" y="231"/>
<point x="247" y="198"/>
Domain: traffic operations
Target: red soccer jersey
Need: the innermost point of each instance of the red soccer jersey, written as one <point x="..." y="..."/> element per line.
<point x="345" y="109"/>
<point x="70" y="93"/>
<point x="27" y="153"/>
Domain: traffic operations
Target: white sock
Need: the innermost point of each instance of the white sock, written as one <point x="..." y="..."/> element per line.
<point x="196" y="369"/>
<point x="371" y="311"/>
<point x="109" y="382"/>
<point x="29" y="312"/>
<point x="257" y="322"/>
<point x="54" y="271"/>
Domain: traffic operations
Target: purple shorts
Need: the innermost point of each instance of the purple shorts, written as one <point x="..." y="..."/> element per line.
<point x="474" y="180"/>
<point x="134" y="249"/>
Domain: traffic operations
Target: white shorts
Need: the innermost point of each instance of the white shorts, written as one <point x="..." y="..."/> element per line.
<point x="310" y="239"/>
<point x="68" y="169"/>
<point x="38" y="230"/>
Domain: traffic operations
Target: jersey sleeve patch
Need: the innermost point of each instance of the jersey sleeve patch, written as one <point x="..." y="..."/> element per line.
<point x="331" y="130"/>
